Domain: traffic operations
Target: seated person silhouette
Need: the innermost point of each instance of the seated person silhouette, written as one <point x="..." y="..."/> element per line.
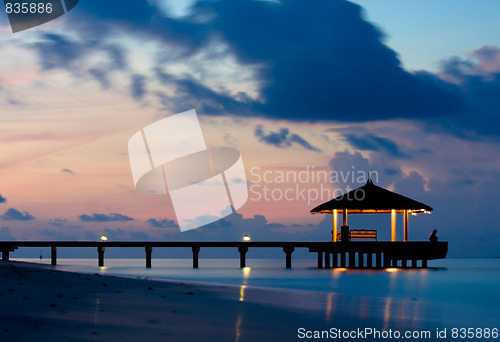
<point x="433" y="237"/>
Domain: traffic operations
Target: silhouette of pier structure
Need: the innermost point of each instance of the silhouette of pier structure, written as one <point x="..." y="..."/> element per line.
<point x="362" y="254"/>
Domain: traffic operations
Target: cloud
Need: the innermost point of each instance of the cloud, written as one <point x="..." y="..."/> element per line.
<point x="336" y="65"/>
<point x="68" y="171"/>
<point x="57" y="51"/>
<point x="480" y="81"/>
<point x="120" y="234"/>
<point x="162" y="223"/>
<point x="369" y="142"/>
<point x="308" y="63"/>
<point x="138" y="86"/>
<point x="413" y="184"/>
<point x="353" y="169"/>
<point x="101" y="76"/>
<point x="190" y="93"/>
<point x="15" y="215"/>
<point x="283" y="139"/>
<point x="2" y="199"/>
<point x="235" y="226"/>
<point x="104" y="217"/>
<point x="80" y="56"/>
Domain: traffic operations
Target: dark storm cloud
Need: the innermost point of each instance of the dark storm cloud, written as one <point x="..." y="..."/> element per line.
<point x="2" y="199"/>
<point x="190" y="93"/>
<point x="283" y="139"/>
<point x="326" y="62"/>
<point x="104" y="217"/>
<point x="371" y="142"/>
<point x="15" y="215"/>
<point x="321" y="62"/>
<point x="141" y="18"/>
<point x="480" y="80"/>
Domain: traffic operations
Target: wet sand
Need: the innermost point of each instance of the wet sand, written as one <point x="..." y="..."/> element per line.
<point x="39" y="303"/>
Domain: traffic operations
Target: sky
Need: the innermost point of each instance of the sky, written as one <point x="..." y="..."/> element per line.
<point x="408" y="91"/>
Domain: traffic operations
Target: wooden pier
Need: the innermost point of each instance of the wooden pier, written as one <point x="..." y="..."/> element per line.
<point x="362" y="254"/>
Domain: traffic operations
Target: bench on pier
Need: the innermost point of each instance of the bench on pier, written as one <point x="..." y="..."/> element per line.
<point x="360" y="234"/>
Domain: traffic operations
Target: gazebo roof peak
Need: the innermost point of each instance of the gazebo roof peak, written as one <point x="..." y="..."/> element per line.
<point x="371" y="198"/>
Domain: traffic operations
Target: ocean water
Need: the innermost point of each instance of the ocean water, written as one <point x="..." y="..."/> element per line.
<point x="452" y="293"/>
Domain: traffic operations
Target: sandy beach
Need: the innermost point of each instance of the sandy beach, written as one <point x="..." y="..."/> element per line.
<point x="43" y="304"/>
<point x="40" y="302"/>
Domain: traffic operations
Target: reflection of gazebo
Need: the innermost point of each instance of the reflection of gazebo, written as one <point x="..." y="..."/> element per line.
<point x="372" y="199"/>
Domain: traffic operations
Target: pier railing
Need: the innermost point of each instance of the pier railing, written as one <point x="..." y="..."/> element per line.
<point x="336" y="254"/>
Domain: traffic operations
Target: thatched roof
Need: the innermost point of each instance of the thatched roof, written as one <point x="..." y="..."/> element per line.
<point x="371" y="199"/>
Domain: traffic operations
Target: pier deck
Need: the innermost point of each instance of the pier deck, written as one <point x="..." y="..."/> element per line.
<point x="363" y="254"/>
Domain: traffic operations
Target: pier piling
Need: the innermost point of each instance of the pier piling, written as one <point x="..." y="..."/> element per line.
<point x="53" y="255"/>
<point x="196" y="251"/>
<point x="288" y="251"/>
<point x="149" y="250"/>
<point x="386" y="254"/>
<point x="243" y="251"/>
<point x="100" y="251"/>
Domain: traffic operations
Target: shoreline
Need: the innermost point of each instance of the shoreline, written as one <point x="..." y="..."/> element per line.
<point x="41" y="303"/>
<point x="44" y="303"/>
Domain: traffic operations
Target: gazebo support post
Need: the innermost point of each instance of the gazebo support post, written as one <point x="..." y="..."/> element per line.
<point x="393" y="224"/>
<point x="334" y="230"/>
<point x="405" y="224"/>
<point x="344" y="217"/>
<point x="342" y="259"/>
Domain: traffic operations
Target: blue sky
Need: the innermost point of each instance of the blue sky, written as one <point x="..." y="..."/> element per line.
<point x="426" y="32"/>
<point x="408" y="89"/>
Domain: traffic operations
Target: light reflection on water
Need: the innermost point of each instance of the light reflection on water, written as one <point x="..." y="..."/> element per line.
<point x="451" y="291"/>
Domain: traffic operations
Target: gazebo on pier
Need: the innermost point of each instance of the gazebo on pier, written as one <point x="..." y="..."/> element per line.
<point x="372" y="199"/>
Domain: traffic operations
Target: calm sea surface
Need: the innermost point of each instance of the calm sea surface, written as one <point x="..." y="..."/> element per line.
<point x="451" y="293"/>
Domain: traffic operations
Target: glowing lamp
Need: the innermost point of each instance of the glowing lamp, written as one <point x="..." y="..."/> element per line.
<point x="246" y="238"/>
<point x="103" y="237"/>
